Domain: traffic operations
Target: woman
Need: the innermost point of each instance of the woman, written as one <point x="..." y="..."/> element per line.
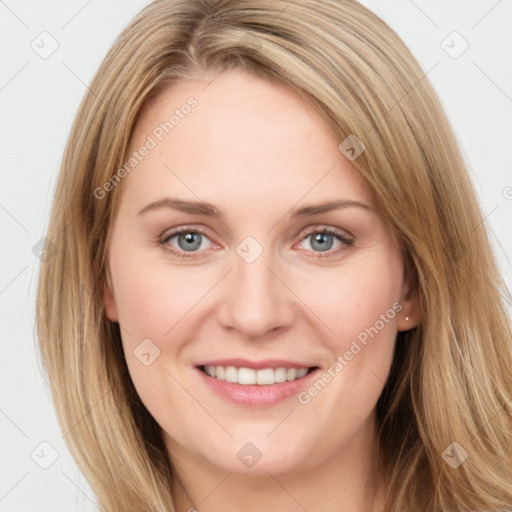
<point x="273" y="288"/>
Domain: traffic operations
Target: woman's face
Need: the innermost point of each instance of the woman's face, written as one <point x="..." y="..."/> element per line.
<point x="252" y="282"/>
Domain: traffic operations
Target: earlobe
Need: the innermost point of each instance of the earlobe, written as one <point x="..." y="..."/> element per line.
<point x="410" y="315"/>
<point x="406" y="322"/>
<point x="110" y="304"/>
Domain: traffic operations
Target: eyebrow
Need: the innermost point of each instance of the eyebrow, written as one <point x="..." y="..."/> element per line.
<point x="210" y="210"/>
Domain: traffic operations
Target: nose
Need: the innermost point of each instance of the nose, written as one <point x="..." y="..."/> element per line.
<point x="256" y="299"/>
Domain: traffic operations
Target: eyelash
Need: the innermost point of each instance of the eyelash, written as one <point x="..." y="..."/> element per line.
<point x="347" y="242"/>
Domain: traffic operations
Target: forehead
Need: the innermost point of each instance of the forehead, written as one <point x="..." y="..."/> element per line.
<point x="243" y="136"/>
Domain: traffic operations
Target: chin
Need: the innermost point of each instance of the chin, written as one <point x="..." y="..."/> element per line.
<point x="259" y="458"/>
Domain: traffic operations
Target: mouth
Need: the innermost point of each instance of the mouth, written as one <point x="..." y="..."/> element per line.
<point x="261" y="377"/>
<point x="256" y="383"/>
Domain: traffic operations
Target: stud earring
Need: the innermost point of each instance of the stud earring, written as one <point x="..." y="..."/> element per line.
<point x="407" y="318"/>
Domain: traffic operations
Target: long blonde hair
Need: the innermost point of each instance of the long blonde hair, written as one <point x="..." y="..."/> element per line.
<point x="451" y="378"/>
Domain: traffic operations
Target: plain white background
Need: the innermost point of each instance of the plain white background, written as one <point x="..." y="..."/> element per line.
<point x="38" y="101"/>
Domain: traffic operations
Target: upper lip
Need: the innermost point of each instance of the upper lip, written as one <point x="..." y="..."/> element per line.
<point x="255" y="365"/>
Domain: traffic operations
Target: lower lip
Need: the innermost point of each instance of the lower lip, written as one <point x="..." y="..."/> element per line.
<point x="257" y="395"/>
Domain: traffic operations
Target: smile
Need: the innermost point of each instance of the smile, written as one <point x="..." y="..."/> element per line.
<point x="250" y="376"/>
<point x="265" y="384"/>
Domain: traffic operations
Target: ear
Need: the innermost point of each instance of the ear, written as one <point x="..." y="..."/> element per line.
<point x="110" y="303"/>
<point x="411" y="306"/>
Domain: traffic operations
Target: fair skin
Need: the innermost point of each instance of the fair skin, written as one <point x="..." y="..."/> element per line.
<point x="258" y="153"/>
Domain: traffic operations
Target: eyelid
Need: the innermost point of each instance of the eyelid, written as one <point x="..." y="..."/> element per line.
<point x="164" y="239"/>
<point x="170" y="233"/>
<point x="319" y="228"/>
<point x="346" y="239"/>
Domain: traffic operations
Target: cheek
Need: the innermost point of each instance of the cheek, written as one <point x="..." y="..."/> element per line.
<point x="151" y="299"/>
<point x="356" y="299"/>
<point x="337" y="307"/>
<point x="359" y="306"/>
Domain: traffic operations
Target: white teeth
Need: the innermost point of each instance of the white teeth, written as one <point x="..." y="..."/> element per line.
<point x="280" y="374"/>
<point x="231" y="374"/>
<point x="264" y="377"/>
<point x="248" y="376"/>
<point x="291" y="374"/>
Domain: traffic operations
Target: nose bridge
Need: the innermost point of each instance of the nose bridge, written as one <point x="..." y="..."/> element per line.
<point x="256" y="300"/>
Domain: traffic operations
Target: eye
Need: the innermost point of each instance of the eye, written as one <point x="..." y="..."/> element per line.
<point x="322" y="240"/>
<point x="190" y="241"/>
<point x="187" y="240"/>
